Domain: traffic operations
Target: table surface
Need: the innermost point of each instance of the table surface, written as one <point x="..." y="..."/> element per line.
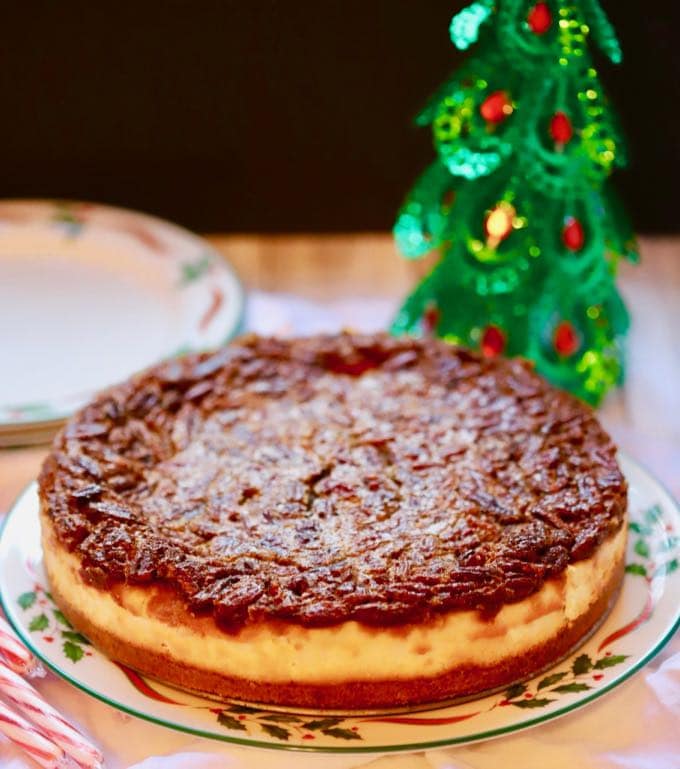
<point x="643" y="417"/>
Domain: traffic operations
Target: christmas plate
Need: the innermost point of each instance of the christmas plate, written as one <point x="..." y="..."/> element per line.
<point x="643" y="620"/>
<point x="88" y="295"/>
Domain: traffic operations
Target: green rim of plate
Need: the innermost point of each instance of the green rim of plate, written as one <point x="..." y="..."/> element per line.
<point x="402" y="748"/>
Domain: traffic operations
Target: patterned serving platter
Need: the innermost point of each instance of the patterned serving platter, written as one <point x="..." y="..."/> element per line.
<point x="88" y="295"/>
<point x="644" y="618"/>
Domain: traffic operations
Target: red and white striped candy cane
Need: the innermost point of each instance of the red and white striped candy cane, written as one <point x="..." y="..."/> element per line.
<point x="50" y="722"/>
<point x="31" y="741"/>
<point x="16" y="654"/>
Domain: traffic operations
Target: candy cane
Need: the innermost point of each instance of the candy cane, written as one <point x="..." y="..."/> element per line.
<point x="17" y="656"/>
<point x="51" y="723"/>
<point x="31" y="741"/>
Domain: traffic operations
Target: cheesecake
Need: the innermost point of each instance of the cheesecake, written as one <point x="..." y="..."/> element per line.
<point x="341" y="522"/>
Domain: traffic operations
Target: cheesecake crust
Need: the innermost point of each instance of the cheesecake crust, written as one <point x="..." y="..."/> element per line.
<point x="332" y="479"/>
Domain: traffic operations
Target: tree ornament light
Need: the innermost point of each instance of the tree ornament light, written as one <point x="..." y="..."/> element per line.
<point x="517" y="200"/>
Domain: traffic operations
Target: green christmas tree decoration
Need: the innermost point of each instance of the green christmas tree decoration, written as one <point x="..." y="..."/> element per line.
<point x="518" y="200"/>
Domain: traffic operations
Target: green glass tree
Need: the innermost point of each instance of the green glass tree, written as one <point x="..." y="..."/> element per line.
<point x="530" y="231"/>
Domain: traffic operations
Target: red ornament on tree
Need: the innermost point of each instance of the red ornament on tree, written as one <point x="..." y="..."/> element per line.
<point x="565" y="339"/>
<point x="573" y="236"/>
<point x="493" y="341"/>
<point x="561" y="128"/>
<point x="448" y="199"/>
<point x="496" y="107"/>
<point x="539" y="18"/>
<point x="430" y="320"/>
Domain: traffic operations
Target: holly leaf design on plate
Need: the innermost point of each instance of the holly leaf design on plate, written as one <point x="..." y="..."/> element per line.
<point x="182" y="350"/>
<point x="230" y="722"/>
<point x="534" y="703"/>
<point x="242" y="709"/>
<point x="550" y="680"/>
<point x="638" y="528"/>
<point x="642" y="548"/>
<point x="74" y="636"/>
<point x="575" y="686"/>
<point x="667" y="568"/>
<point x="61" y="619"/>
<point x="275" y="731"/>
<point x="26" y="600"/>
<point x="40" y="622"/>
<point x="192" y="271"/>
<point x="636" y="568"/>
<point x="515" y="690"/>
<point x="609" y="662"/>
<point x="282" y="718"/>
<point x="653" y="514"/>
<point x="582" y="664"/>
<point x="73" y="651"/>
<point x="341" y="734"/>
<point x="321" y="723"/>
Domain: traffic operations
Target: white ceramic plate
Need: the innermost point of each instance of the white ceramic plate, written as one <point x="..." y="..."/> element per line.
<point x="643" y="620"/>
<point x="90" y="294"/>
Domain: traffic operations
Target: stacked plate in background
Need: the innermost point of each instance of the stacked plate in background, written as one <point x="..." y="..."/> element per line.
<point x="90" y="294"/>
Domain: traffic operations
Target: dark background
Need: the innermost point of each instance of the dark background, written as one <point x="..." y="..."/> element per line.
<point x="277" y="115"/>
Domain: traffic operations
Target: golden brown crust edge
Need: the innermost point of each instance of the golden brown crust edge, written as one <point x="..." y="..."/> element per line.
<point x="350" y="695"/>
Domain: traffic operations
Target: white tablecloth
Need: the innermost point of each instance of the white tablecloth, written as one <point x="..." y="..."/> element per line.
<point x="636" y="726"/>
